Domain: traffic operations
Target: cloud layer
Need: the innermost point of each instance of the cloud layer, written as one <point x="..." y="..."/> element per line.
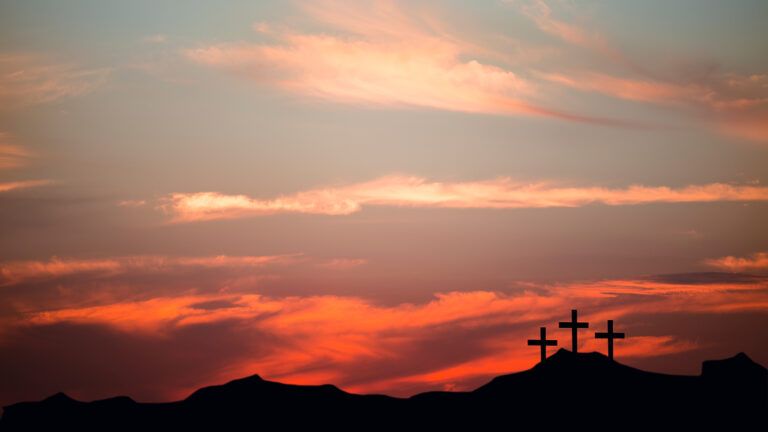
<point x="455" y="340"/>
<point x="410" y="191"/>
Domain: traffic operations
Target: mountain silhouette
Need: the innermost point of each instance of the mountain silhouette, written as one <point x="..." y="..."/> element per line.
<point x="583" y="390"/>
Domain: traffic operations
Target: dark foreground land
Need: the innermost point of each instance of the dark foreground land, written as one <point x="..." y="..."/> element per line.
<point x="577" y="391"/>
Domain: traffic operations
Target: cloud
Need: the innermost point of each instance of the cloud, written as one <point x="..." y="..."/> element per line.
<point x="388" y="54"/>
<point x="735" y="105"/>
<point x="156" y="39"/>
<point x="132" y="203"/>
<point x="757" y="261"/>
<point x="455" y="340"/>
<point x="16" y="272"/>
<point x="751" y="126"/>
<point x="382" y="56"/>
<point x="342" y="263"/>
<point x="626" y="88"/>
<point x="22" y="184"/>
<point x="410" y="191"/>
<point x="27" y="79"/>
<point x="12" y="155"/>
<point x="733" y="98"/>
<point x="541" y="14"/>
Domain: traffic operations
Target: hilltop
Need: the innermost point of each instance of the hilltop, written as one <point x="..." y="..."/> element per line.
<point x="566" y="389"/>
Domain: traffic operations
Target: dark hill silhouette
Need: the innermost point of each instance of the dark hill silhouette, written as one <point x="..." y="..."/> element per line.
<point x="568" y="389"/>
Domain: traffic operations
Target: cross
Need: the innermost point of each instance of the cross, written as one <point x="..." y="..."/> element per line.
<point x="574" y="325"/>
<point x="543" y="343"/>
<point x="610" y="335"/>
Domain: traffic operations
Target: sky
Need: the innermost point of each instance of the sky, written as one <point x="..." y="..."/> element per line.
<point x="388" y="196"/>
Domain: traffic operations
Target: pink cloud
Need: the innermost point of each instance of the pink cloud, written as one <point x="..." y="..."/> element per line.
<point x="540" y="13"/>
<point x="425" y="73"/>
<point x="27" y="79"/>
<point x="728" y="95"/>
<point x="624" y="88"/>
<point x="757" y="261"/>
<point x="387" y="58"/>
<point x="405" y="191"/>
<point x="735" y="105"/>
<point x="751" y="126"/>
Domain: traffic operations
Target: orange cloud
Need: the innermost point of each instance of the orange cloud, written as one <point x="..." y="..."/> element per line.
<point x="404" y="191"/>
<point x="15" y="272"/>
<point x="27" y="79"/>
<point x="23" y="184"/>
<point x="332" y="338"/>
<point x="758" y="261"/>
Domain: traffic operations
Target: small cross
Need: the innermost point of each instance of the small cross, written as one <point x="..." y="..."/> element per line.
<point x="543" y="343"/>
<point x="574" y="325"/>
<point x="610" y="335"/>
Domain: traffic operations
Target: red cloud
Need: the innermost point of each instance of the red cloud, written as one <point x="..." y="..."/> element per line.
<point x="414" y="346"/>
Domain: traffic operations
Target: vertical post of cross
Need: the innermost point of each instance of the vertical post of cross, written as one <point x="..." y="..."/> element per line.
<point x="574" y="325"/>
<point x="610" y="335"/>
<point x="542" y="342"/>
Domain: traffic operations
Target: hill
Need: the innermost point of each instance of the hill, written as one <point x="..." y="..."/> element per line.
<point x="568" y="389"/>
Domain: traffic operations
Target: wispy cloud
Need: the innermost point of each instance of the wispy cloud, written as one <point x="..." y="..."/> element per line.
<point x="409" y="191"/>
<point x="12" y="155"/>
<point x="27" y="79"/>
<point x="735" y="104"/>
<point x="15" y="272"/>
<point x="342" y="263"/>
<point x="384" y="57"/>
<point x="757" y="261"/>
<point x="132" y="203"/>
<point x="22" y="184"/>
<point x="157" y="39"/>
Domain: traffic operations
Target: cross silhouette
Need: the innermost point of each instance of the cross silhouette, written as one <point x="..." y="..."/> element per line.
<point x="574" y="325"/>
<point x="543" y="343"/>
<point x="610" y="335"/>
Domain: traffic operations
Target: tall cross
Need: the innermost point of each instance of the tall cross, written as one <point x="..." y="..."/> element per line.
<point x="574" y="325"/>
<point x="543" y="343"/>
<point x="610" y="335"/>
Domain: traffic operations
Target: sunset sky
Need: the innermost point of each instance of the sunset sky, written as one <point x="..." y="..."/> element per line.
<point x="387" y="196"/>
